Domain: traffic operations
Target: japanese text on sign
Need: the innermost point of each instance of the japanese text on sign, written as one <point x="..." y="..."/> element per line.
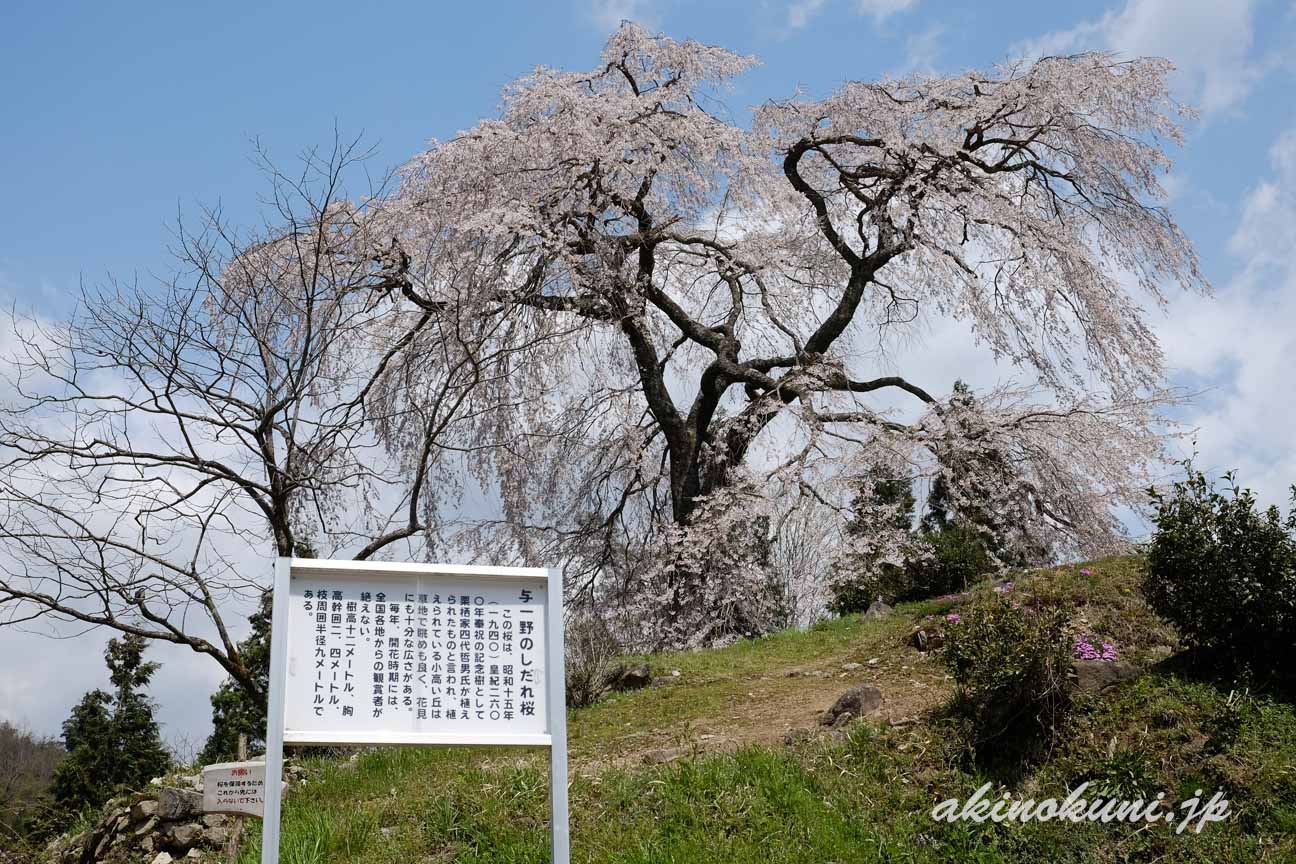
<point x="419" y="655"/>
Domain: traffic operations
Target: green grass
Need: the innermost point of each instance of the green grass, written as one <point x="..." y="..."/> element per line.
<point x="863" y="799"/>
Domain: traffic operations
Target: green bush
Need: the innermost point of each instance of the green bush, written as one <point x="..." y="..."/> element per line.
<point x="1224" y="573"/>
<point x="958" y="559"/>
<point x="1010" y="664"/>
<point x="112" y="740"/>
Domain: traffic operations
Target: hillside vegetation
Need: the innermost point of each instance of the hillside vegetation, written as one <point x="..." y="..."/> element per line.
<point x="722" y="760"/>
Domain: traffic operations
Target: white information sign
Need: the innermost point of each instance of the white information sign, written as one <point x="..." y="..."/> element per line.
<point x="235" y="788"/>
<point x="380" y="653"/>
<point x="423" y="658"/>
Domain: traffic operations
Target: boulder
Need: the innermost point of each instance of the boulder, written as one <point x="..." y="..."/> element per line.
<point x="175" y="805"/>
<point x="142" y="811"/>
<point x="162" y="858"/>
<point x="147" y="827"/>
<point x="877" y="610"/>
<point x="927" y="640"/>
<point x="214" y="820"/>
<point x="858" y="701"/>
<point x="1096" y="676"/>
<point x="183" y="837"/>
<point x="216" y="835"/>
<point x="1157" y="653"/>
<point x="851" y="667"/>
<point x="630" y="678"/>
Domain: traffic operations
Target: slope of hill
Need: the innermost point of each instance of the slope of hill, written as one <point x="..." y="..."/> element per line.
<point x="722" y="760"/>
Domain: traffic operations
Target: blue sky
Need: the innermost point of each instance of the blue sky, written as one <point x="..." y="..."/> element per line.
<point x="118" y="116"/>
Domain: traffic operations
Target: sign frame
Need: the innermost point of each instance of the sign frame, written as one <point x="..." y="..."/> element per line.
<point x="555" y="694"/>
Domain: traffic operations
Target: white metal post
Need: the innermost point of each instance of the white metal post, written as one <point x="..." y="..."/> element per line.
<point x="557" y="709"/>
<point x="275" y="713"/>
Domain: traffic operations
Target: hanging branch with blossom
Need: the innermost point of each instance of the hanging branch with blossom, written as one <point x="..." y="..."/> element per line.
<point x="685" y="302"/>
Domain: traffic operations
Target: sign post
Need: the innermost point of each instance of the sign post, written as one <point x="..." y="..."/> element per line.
<point x="369" y="653"/>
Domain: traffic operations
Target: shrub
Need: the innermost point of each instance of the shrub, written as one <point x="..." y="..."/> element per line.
<point x="958" y="559"/>
<point x="945" y="561"/>
<point x="1223" y="572"/>
<point x="592" y="651"/>
<point x="1010" y="664"/>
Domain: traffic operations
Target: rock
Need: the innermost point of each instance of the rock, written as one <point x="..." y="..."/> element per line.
<point x="877" y="610"/>
<point x="214" y="820"/>
<point x="183" y="837"/>
<point x="175" y="805"/>
<point x="104" y="842"/>
<point x="664" y="755"/>
<point x="143" y="810"/>
<point x="146" y="845"/>
<point x="858" y="701"/>
<point x="162" y="858"/>
<point x="216" y="835"/>
<point x="1157" y="653"/>
<point x="793" y="737"/>
<point x="147" y="827"/>
<point x="1096" y="676"/>
<point x="630" y="678"/>
<point x="194" y="855"/>
<point x="842" y="719"/>
<point x="927" y="640"/>
<point x="851" y="667"/>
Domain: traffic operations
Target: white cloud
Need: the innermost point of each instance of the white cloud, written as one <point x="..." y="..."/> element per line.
<point x="800" y="12"/>
<point x="1239" y="345"/>
<point x="883" y="9"/>
<point x="1209" y="42"/>
<point x="921" y="51"/>
<point x="608" y="14"/>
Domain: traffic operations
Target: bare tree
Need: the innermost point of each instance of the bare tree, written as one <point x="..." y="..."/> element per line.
<point x="167" y="440"/>
<point x="803" y="546"/>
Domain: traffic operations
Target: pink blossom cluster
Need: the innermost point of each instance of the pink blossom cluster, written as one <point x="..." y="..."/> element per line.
<point x="1085" y="650"/>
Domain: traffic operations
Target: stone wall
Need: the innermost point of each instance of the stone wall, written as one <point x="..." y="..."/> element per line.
<point x="161" y="826"/>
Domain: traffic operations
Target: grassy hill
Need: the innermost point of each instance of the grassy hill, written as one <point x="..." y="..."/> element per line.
<point x="723" y="762"/>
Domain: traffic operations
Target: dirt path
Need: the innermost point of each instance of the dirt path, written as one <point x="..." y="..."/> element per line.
<point x="725" y="713"/>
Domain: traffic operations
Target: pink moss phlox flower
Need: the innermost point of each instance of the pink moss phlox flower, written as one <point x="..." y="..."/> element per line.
<point x="953" y="618"/>
<point x="1085" y="571"/>
<point x="1086" y="650"/>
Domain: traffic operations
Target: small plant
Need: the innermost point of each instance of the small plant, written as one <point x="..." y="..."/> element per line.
<point x="1125" y="773"/>
<point x="1223" y="572"/>
<point x="1010" y="663"/>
